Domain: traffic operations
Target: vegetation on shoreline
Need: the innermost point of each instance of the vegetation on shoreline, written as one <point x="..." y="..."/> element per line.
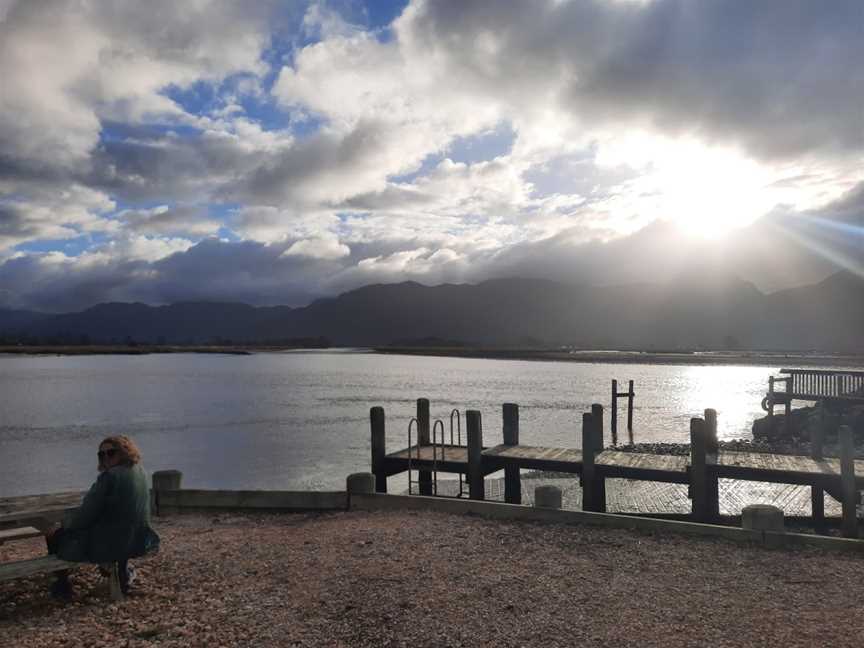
<point x="695" y="357"/>
<point x="145" y="349"/>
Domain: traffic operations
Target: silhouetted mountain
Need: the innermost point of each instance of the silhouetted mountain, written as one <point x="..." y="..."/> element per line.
<point x="704" y="310"/>
<point x="18" y="319"/>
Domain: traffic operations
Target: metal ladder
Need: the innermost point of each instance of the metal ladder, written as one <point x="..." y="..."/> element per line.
<point x="438" y="450"/>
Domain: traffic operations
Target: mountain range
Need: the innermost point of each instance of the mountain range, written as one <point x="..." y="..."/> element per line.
<point x="690" y="312"/>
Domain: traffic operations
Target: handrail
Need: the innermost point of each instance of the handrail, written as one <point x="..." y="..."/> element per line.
<point x="412" y="422"/>
<point x="455" y="411"/>
<point x="823" y="372"/>
<point x="435" y="455"/>
<point x="815" y="384"/>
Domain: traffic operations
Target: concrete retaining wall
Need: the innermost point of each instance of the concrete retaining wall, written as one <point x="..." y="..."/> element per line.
<point x="187" y="500"/>
<point x="501" y="511"/>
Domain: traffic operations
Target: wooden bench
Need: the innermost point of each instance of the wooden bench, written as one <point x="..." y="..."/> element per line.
<point x="19" y="534"/>
<point x="50" y="564"/>
<point x="34" y="566"/>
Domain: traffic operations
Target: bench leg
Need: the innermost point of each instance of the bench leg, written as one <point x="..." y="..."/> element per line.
<point x="61" y="588"/>
<point x="114" y="586"/>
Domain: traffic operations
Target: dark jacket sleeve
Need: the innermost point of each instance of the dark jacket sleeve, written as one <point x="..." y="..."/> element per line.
<point x="93" y="505"/>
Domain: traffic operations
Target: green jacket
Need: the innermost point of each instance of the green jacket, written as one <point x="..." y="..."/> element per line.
<point x="113" y="521"/>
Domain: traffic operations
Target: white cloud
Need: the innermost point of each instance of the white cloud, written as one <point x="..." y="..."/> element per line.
<point x="318" y="248"/>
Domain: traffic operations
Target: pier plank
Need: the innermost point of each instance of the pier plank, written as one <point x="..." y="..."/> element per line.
<point x="535" y="453"/>
<point x="454" y="453"/>
<point x="756" y="466"/>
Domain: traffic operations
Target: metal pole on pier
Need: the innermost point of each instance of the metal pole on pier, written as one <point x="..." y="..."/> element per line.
<point x="613" y="421"/>
<point x="630" y="394"/>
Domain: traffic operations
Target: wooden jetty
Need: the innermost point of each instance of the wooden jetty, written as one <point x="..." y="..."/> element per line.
<point x="841" y="478"/>
<point x="833" y="387"/>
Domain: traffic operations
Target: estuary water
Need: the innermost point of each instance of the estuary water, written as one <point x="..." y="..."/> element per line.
<point x="300" y="420"/>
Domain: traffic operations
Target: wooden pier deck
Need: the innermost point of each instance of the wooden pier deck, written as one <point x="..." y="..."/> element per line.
<point x="753" y="466"/>
<point x="701" y="471"/>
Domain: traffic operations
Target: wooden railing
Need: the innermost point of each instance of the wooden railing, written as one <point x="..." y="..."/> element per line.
<point x="816" y="384"/>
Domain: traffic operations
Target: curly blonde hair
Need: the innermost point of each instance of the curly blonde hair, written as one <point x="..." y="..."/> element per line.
<point x="126" y="446"/>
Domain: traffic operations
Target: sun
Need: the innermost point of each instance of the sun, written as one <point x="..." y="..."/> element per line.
<point x="708" y="191"/>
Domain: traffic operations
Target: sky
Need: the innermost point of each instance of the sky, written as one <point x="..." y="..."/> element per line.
<point x="274" y="152"/>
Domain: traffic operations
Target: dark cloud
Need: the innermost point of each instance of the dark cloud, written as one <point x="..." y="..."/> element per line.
<point x="212" y="270"/>
<point x="177" y="220"/>
<point x="782" y="77"/>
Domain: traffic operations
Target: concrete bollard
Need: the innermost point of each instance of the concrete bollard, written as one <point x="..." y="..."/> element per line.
<point x="547" y="497"/>
<point x="360" y="483"/>
<point x="164" y="480"/>
<point x="762" y="517"/>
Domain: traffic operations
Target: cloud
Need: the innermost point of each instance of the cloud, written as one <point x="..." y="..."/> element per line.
<point x="780" y="77"/>
<point x="70" y="212"/>
<point x="465" y="141"/>
<point x="68" y="66"/>
<point x="164" y="220"/>
<point x="293" y="271"/>
<point x="318" y="248"/>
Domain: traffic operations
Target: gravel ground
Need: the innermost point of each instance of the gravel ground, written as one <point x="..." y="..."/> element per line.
<point x="430" y="579"/>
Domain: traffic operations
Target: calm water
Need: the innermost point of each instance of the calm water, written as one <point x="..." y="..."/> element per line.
<point x="300" y="420"/>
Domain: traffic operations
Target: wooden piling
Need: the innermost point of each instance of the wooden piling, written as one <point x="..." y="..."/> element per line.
<point x="630" y="395"/>
<point x="379" y="448"/>
<point x="817" y="507"/>
<point x="613" y="419"/>
<point x="597" y="413"/>
<point x="770" y="401"/>
<point x="424" y="477"/>
<point x="712" y="448"/>
<point x="589" y="486"/>
<point x="512" y="474"/>
<point x="599" y="479"/>
<point x="818" y="439"/>
<point x="817" y="493"/>
<point x="698" y="470"/>
<point x="476" y="487"/>
<point x="847" y="482"/>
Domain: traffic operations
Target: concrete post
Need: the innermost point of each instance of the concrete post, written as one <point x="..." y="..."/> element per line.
<point x="164" y="480"/>
<point x="360" y="483"/>
<point x="763" y="517"/>
<point x="547" y="497"/>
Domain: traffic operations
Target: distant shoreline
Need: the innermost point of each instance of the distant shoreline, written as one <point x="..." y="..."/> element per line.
<point x="754" y="358"/>
<point x="142" y="349"/>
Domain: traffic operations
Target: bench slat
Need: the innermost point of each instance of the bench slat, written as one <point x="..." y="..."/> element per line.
<point x="19" y="534"/>
<point x="42" y="565"/>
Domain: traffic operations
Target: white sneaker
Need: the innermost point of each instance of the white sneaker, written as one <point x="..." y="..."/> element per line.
<point x="131" y="574"/>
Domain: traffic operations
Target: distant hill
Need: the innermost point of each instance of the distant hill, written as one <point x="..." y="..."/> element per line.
<point x="19" y="319"/>
<point x="691" y="312"/>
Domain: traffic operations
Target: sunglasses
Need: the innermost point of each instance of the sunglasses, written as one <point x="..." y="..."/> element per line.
<point x="106" y="453"/>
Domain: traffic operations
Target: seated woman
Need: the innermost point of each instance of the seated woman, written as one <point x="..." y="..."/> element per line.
<point x="113" y="522"/>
